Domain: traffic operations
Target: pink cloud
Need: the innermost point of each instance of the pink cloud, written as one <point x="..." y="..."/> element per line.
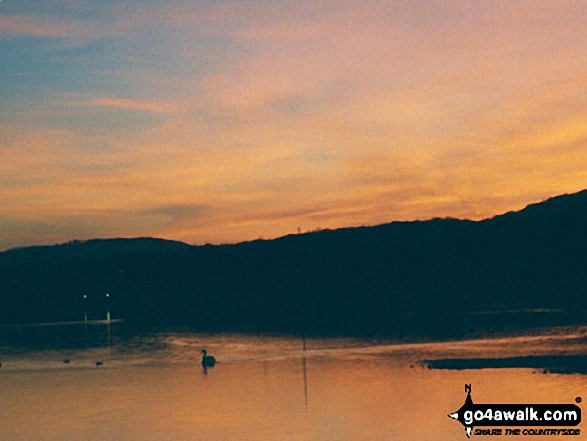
<point x="46" y="26"/>
<point x="126" y="104"/>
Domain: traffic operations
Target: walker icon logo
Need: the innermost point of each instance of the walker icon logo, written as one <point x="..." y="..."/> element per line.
<point x="471" y="415"/>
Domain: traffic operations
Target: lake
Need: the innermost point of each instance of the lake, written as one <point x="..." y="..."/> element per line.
<point x="152" y="387"/>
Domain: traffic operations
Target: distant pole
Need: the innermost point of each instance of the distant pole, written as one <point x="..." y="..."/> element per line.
<point x="305" y="371"/>
<point x="85" y="308"/>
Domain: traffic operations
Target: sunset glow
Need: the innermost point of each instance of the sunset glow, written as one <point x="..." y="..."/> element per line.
<point x="220" y="121"/>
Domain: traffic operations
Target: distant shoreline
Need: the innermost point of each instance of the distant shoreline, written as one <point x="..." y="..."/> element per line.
<point x="81" y="322"/>
<point x="559" y="364"/>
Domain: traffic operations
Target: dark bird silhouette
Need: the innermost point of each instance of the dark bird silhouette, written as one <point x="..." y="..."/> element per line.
<point x="207" y="360"/>
<point x="99" y="363"/>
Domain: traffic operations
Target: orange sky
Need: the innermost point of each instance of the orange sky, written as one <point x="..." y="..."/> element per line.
<point x="223" y="121"/>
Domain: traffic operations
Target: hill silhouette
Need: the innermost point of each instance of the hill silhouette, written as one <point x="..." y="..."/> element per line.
<point x="441" y="277"/>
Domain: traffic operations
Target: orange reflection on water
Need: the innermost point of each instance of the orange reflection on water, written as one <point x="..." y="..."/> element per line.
<point x="325" y="393"/>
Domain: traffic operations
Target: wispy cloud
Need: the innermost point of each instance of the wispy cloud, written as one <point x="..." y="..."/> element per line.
<point x="124" y="104"/>
<point x="46" y="26"/>
<point x="224" y="121"/>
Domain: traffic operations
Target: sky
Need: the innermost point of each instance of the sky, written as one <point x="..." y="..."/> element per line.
<point x="219" y="121"/>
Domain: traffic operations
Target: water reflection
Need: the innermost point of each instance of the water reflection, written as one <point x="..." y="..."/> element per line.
<point x="305" y="381"/>
<point x="66" y="335"/>
<point x="148" y="388"/>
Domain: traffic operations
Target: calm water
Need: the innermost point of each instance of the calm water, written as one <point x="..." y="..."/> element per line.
<point x="152" y="388"/>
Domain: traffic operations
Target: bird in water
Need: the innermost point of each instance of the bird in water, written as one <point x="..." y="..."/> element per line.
<point x="207" y="360"/>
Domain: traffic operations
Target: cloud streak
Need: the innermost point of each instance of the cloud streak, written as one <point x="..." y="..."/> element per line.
<point x="115" y="103"/>
<point x="225" y="121"/>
